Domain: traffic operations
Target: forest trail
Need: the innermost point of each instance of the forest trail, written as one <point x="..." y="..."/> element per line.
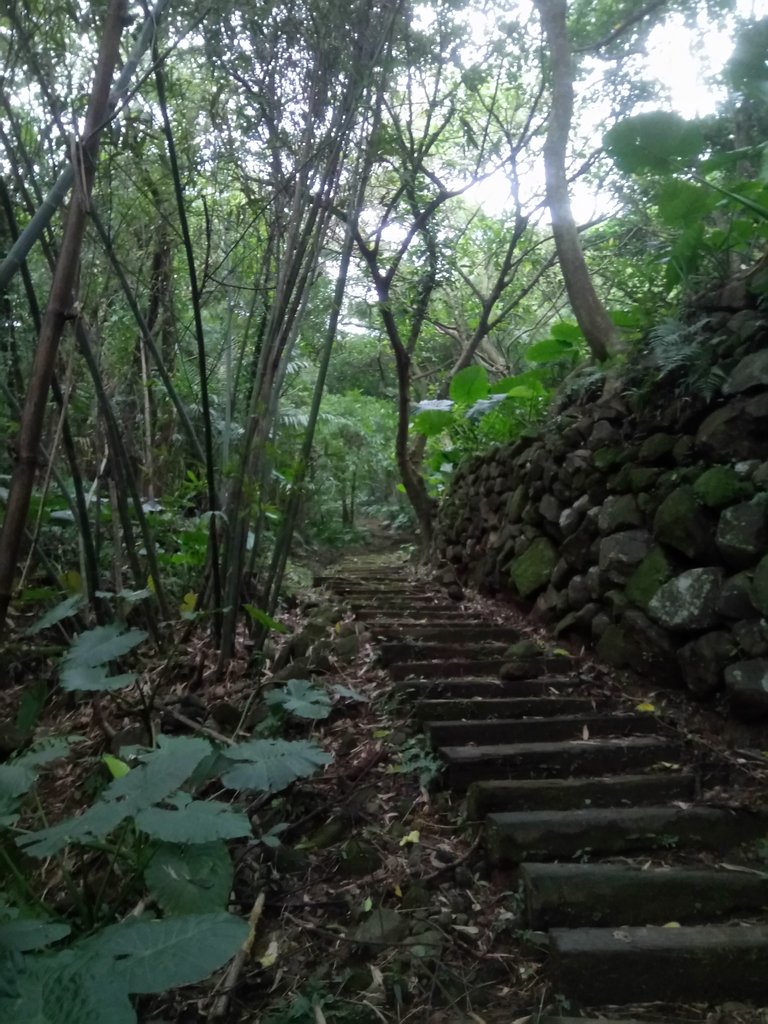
<point x="628" y="836"/>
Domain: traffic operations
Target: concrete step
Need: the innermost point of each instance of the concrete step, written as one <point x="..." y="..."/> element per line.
<point x="578" y="794"/>
<point x="484" y="708"/>
<point x="575" y="895"/>
<point x="516" y="836"/>
<point x="468" y="631"/>
<point x="701" y="964"/>
<point x="532" y="730"/>
<point x="418" y="650"/>
<point x="565" y="758"/>
<point x="469" y="687"/>
<point x="447" y="667"/>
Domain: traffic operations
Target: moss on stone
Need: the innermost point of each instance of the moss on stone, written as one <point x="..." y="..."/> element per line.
<point x="652" y="573"/>
<point x="720" y="486"/>
<point x="532" y="569"/>
<point x="680" y="522"/>
<point x="606" y="458"/>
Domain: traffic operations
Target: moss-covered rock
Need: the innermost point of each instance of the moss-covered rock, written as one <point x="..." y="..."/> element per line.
<point x="656" y="448"/>
<point x="689" y="601"/>
<point x="532" y="569"/>
<point x="613" y="647"/>
<point x="742" y="532"/>
<point x="760" y="586"/>
<point x="653" y="572"/>
<point x="640" y="478"/>
<point x="606" y="458"/>
<point x="720" y="486"/>
<point x="680" y="523"/>
<point x="618" y="512"/>
<point x="703" y="661"/>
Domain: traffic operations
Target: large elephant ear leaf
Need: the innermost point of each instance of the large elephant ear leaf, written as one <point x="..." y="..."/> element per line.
<point x="656" y="142"/>
<point x="469" y="385"/>
<point x="271" y="765"/>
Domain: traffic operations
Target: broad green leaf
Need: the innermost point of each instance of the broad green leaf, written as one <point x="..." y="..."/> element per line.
<point x="548" y="350"/>
<point x="154" y="956"/>
<point x="160" y="774"/>
<point x="201" y="821"/>
<point x="103" y="644"/>
<point x="654" y="141"/>
<point x="58" y="988"/>
<point x="31" y="933"/>
<point x="469" y="385"/>
<point x="758" y="208"/>
<point x="69" y="606"/>
<point x="270" y="765"/>
<point x="563" y="330"/>
<point x="301" y="698"/>
<point x="192" y="879"/>
<point x="83" y="677"/>
<point x="681" y="202"/>
<point x="432" y="422"/>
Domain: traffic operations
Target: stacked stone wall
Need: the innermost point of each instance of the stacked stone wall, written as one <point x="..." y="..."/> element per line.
<point x="638" y="522"/>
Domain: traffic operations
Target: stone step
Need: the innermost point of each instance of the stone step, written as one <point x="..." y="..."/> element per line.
<point x="701" y="964"/>
<point x="574" y="757"/>
<point x="484" y="708"/>
<point x="574" y="895"/>
<point x="593" y="1020"/>
<point x="416" y="650"/>
<point x="440" y="669"/>
<point x="516" y="836"/>
<point x="576" y="794"/>
<point x="478" y="687"/>
<point x="532" y="730"/>
<point x="473" y="631"/>
<point x="435" y="613"/>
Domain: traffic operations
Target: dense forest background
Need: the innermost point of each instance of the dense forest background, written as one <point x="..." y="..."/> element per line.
<point x="329" y="250"/>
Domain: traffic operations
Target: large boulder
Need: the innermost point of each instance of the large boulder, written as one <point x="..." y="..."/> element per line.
<point x="749" y="372"/>
<point x="720" y="486"/>
<point x="689" y="601"/>
<point x="747" y="683"/>
<point x="703" y="661"/>
<point x="618" y="512"/>
<point x="760" y="586"/>
<point x="736" y="597"/>
<point x="742" y="532"/>
<point x="531" y="570"/>
<point x="724" y="434"/>
<point x="622" y="552"/>
<point x="654" y="571"/>
<point x="682" y="524"/>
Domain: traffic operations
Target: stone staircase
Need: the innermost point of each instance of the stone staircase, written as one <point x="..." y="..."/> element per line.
<point x="600" y="812"/>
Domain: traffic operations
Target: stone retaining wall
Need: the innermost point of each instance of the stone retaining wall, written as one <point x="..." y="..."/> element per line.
<point x="638" y="522"/>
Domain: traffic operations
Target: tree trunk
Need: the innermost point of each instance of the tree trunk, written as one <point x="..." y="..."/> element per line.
<point x="590" y="313"/>
<point x="61" y="307"/>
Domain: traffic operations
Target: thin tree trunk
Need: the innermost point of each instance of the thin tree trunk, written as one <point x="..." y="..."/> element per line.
<point x="61" y="307"/>
<point x="589" y="311"/>
<point x="57" y="195"/>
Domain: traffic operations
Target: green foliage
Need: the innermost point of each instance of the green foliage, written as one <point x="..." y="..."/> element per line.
<point x="687" y="354"/>
<point x="91" y="981"/>
<point x="170" y="841"/>
<point x="657" y="141"/>
<point x="84" y="667"/>
<point x="301" y="698"/>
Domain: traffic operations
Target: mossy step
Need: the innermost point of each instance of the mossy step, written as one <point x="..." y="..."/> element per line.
<point x="436" y="613"/>
<point x="566" y="758"/>
<point x="530" y="730"/>
<point x="470" y="630"/>
<point x="465" y="687"/>
<point x="574" y="895"/>
<point x="417" y="650"/>
<point x="701" y="964"/>
<point x="578" y="794"/>
<point x="516" y="836"/>
<point x="486" y="708"/>
<point x="445" y="667"/>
